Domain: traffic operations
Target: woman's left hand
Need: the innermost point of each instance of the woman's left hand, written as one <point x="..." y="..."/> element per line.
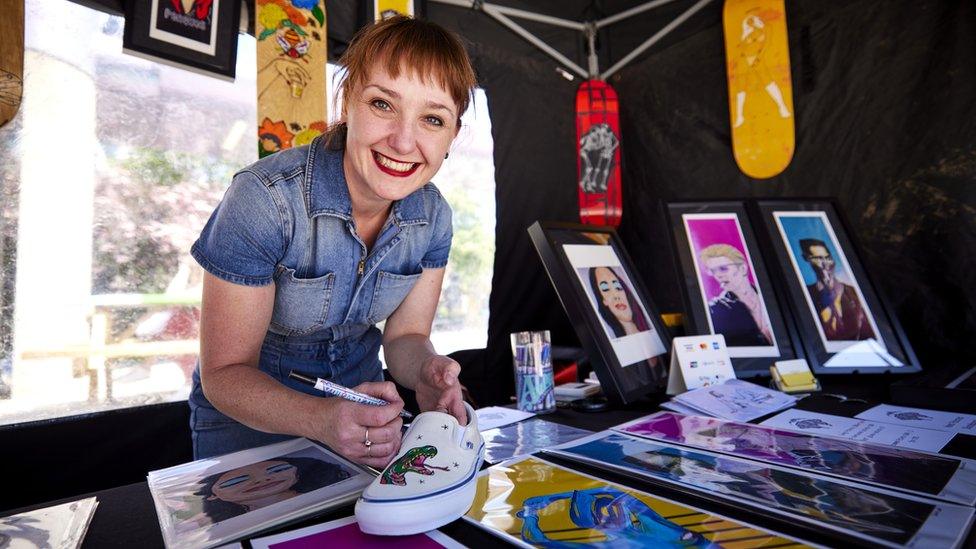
<point x="439" y="389"/>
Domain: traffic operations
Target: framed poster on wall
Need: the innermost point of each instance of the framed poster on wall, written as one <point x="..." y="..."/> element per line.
<point x="198" y="35"/>
<point x="843" y="320"/>
<point x="728" y="290"/>
<point x="617" y="324"/>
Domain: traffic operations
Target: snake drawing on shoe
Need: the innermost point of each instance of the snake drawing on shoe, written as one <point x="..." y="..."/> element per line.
<point x="411" y="462"/>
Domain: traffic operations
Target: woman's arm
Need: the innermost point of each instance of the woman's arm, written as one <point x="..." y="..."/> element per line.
<point x="410" y="356"/>
<point x="233" y="324"/>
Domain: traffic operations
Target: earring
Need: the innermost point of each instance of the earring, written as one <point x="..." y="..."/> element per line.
<point x="446" y="155"/>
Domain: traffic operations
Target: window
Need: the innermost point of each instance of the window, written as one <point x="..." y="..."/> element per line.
<point x="107" y="175"/>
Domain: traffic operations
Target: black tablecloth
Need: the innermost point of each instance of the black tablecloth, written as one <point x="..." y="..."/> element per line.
<point x="125" y="516"/>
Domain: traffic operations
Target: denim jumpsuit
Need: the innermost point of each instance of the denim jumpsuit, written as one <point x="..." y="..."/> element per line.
<point x="287" y="219"/>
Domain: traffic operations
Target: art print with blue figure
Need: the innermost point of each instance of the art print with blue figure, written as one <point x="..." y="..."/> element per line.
<point x="813" y="226"/>
<point x="835" y="299"/>
<point x="531" y="501"/>
<point x="842" y="506"/>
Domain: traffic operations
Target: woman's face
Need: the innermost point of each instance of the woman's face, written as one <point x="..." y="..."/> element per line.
<point x="255" y="481"/>
<point x="399" y="130"/>
<point x="613" y="295"/>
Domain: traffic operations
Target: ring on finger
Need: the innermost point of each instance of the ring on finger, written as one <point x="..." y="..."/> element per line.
<point x="368" y="448"/>
<point x="366" y="441"/>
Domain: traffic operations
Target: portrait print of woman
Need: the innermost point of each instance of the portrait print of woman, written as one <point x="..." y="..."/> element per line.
<point x="616" y="303"/>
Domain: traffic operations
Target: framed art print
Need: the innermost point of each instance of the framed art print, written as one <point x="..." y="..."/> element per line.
<point x="199" y="35"/>
<point x="618" y="326"/>
<point x="843" y="321"/>
<point x="727" y="288"/>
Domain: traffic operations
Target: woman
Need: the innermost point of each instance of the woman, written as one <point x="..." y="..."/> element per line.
<point x="616" y="305"/>
<point x="311" y="247"/>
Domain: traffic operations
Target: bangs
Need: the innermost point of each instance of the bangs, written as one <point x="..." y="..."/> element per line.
<point x="430" y="53"/>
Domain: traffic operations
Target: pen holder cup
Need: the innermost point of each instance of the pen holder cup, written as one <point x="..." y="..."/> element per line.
<point x="534" y="386"/>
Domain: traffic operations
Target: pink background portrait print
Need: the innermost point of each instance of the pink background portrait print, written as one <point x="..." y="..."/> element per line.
<point x="720" y="229"/>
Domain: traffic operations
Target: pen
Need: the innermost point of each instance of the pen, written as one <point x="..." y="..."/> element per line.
<point x="343" y="392"/>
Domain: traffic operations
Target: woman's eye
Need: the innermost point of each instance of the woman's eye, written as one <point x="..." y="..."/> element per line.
<point x="380" y="104"/>
<point x="434" y="121"/>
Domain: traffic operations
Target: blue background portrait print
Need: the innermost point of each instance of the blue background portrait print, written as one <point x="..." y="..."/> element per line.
<point x="797" y="228"/>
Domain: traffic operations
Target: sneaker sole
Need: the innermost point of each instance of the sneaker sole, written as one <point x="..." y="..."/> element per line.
<point x="400" y="517"/>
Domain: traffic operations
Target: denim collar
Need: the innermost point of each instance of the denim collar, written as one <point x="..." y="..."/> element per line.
<point x="326" y="192"/>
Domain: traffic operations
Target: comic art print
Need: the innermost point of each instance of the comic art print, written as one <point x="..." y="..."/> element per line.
<point x="945" y="477"/>
<point x="532" y="502"/>
<point x="291" y="57"/>
<point x="853" y="510"/>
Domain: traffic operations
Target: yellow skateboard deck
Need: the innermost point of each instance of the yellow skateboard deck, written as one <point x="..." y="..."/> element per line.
<point x="760" y="87"/>
<point x="291" y="55"/>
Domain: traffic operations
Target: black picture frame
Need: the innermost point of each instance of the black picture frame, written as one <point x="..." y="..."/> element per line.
<point x="158" y="30"/>
<point x="723" y="229"/>
<point x="866" y="336"/>
<point x="631" y="361"/>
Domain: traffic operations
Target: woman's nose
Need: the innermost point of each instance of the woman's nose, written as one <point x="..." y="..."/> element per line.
<point x="403" y="139"/>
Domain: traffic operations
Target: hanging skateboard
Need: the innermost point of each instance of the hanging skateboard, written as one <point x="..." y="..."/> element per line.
<point x="291" y="56"/>
<point x="760" y="87"/>
<point x="11" y="58"/>
<point x="598" y="162"/>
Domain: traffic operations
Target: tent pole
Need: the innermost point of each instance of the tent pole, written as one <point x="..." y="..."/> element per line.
<point x="654" y="39"/>
<point x="496" y="14"/>
<point x="631" y="12"/>
<point x="500" y="13"/>
<point x="515" y="12"/>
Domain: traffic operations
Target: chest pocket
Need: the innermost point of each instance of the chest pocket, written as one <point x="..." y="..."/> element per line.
<point x="391" y="289"/>
<point x="301" y="304"/>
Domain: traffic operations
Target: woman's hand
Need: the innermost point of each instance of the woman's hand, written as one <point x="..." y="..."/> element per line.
<point x="438" y="387"/>
<point x="346" y="423"/>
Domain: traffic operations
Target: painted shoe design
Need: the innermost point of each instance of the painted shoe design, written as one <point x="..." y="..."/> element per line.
<point x="430" y="482"/>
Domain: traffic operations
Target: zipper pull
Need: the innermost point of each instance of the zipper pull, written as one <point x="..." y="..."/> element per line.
<point x="362" y="266"/>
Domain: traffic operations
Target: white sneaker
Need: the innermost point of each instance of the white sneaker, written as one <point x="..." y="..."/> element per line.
<point x="430" y="482"/>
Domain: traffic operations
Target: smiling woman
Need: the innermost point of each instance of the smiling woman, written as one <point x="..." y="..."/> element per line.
<point x="312" y="246"/>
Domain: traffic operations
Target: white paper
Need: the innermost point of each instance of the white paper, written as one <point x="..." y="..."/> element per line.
<point x="736" y="400"/>
<point x="496" y="416"/>
<point x="927" y="440"/>
<point x="699" y="361"/>
<point x="918" y="417"/>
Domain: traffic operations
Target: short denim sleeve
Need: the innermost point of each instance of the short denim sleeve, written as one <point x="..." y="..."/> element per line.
<point x="440" y="242"/>
<point x="244" y="239"/>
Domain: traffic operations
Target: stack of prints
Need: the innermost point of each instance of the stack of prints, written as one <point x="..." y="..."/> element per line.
<point x="213" y="501"/>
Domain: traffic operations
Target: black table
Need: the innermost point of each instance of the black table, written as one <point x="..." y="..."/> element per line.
<point x="126" y="517"/>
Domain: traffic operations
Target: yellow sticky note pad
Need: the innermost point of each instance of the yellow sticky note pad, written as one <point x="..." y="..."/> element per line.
<point x="794" y="376"/>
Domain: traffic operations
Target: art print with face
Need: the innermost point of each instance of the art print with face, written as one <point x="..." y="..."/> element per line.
<point x="844" y="507"/>
<point x="925" y="474"/>
<point x="227" y="494"/>
<point x="833" y="296"/>
<point x="610" y="293"/>
<point x="728" y="286"/>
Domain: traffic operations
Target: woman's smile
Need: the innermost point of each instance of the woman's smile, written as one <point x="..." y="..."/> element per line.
<point x="393" y="167"/>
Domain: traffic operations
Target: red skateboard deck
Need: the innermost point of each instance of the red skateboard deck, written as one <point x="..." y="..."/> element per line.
<point x="598" y="162"/>
<point x="11" y="58"/>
